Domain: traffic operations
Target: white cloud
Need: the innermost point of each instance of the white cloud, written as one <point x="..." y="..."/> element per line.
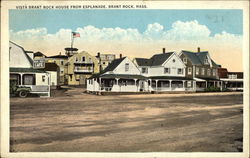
<point x="154" y="31"/>
<point x="190" y="32"/>
<point x="29" y="34"/>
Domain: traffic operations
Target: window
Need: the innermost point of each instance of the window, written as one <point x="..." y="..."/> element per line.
<point x="15" y="79"/>
<point x="232" y="76"/>
<point x="189" y="71"/>
<point x="90" y="60"/>
<point x="208" y="72"/>
<point x="76" y="59"/>
<point x="83" y="59"/>
<point x="173" y="60"/>
<point x="180" y="71"/>
<point x="197" y="71"/>
<point x="103" y="63"/>
<point x="185" y="60"/>
<point x="144" y="70"/>
<point x="61" y="70"/>
<point x="62" y="62"/>
<point x="126" y="66"/>
<point x="43" y="78"/>
<point x="166" y="70"/>
<point x="203" y="71"/>
<point x="214" y="72"/>
<point x="189" y="84"/>
<point x="28" y="79"/>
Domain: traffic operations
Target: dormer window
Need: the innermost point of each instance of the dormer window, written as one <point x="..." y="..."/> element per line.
<point x="185" y="60"/>
<point x="206" y="61"/>
<point x="83" y="59"/>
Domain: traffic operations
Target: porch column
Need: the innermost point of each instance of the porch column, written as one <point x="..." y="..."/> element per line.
<point x="214" y="83"/>
<point x="170" y="84"/>
<point x="183" y="84"/>
<point x="135" y="84"/>
<point x="156" y="82"/>
<point x="48" y="74"/>
<point x="221" y="85"/>
<point x="116" y="80"/>
<point x="150" y="84"/>
<point x="100" y="83"/>
<point x="206" y="84"/>
<point x="194" y="85"/>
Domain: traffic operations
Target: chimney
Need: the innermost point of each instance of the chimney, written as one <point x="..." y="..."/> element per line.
<point x="98" y="54"/>
<point x="199" y="49"/>
<point x="120" y="56"/>
<point x="163" y="50"/>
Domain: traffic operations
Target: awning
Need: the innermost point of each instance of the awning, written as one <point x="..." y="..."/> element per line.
<point x="169" y="78"/>
<point x="203" y="79"/>
<point x="231" y="80"/>
<point x="121" y="76"/>
<point x="26" y="70"/>
<point x="198" y="79"/>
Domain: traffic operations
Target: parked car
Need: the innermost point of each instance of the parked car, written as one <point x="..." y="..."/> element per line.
<point x="16" y="90"/>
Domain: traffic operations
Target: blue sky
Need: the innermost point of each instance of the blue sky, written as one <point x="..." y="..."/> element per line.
<point x="216" y="20"/>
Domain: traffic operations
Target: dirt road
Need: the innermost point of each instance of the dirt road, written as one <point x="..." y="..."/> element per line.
<point x="127" y="123"/>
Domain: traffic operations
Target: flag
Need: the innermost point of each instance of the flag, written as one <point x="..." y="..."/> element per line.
<point x="76" y="34"/>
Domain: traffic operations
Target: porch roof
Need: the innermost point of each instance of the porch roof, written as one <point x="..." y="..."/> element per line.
<point x="207" y="79"/>
<point x="26" y="70"/>
<point x="122" y="76"/>
<point x="170" y="78"/>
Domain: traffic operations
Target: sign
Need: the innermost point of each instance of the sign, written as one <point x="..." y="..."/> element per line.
<point x="38" y="64"/>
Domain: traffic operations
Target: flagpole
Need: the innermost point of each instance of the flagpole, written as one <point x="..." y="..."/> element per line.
<point x="72" y="39"/>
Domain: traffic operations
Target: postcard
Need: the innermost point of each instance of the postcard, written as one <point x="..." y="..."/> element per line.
<point x="125" y="79"/>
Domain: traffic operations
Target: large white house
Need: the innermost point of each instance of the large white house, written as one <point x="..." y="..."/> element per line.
<point x="162" y="72"/>
<point x="22" y="71"/>
<point x="121" y="75"/>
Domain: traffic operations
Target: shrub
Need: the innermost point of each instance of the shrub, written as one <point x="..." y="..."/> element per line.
<point x="212" y="89"/>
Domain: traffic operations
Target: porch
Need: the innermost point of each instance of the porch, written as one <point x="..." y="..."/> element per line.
<point x="117" y="83"/>
<point x="203" y="83"/>
<point x="161" y="85"/>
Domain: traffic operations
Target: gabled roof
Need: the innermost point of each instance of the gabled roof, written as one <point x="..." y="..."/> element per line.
<point x="155" y="60"/>
<point x="143" y="61"/>
<point x="198" y="58"/>
<point x="202" y="56"/>
<point x="113" y="65"/>
<point x="59" y="56"/>
<point x="39" y="54"/>
<point x="192" y="57"/>
<point x="159" y="59"/>
<point x="25" y="52"/>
